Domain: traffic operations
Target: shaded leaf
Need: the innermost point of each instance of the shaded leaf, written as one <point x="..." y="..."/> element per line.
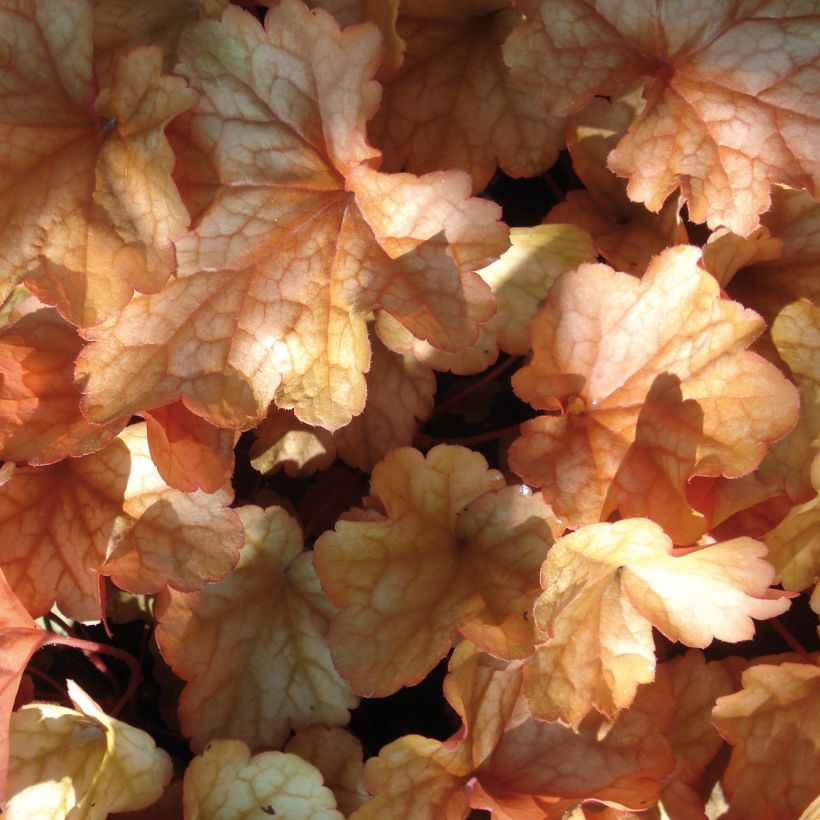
<point x="253" y="647"/>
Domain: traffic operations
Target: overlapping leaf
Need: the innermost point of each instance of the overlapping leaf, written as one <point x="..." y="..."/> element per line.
<point x="88" y="210"/>
<point x="80" y="763"/>
<point x="455" y="550"/>
<point x="303" y="238"/>
<point x="452" y="104"/>
<point x="730" y="98"/>
<point x="653" y="386"/>
<point x="227" y="782"/>
<point x="773" y="724"/>
<point x="606" y="585"/>
<point x="253" y="647"/>
<point x="109" y="513"/>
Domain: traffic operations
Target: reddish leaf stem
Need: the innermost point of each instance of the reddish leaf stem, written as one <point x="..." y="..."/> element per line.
<point x="789" y="638"/>
<point x="425" y="441"/>
<point x="500" y="368"/>
<point x="90" y="648"/>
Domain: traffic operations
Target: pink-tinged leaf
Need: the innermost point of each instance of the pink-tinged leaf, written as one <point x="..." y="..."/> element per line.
<point x="606" y="585"/>
<point x="454" y="550"/>
<point x="88" y="209"/>
<point x="189" y="453"/>
<point x="19" y="640"/>
<point x="730" y="103"/>
<point x="110" y="513"/>
<point x="40" y="419"/>
<point x="225" y="781"/>
<point x="253" y="647"/>
<point x="452" y="104"/>
<point x="301" y="239"/>
<point x="80" y="763"/>
<point x="337" y="754"/>
<point x="773" y="723"/>
<point x="654" y="386"/>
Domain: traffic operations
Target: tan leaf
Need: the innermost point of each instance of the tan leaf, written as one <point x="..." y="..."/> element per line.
<point x="40" y="419"/>
<point x="83" y="763"/>
<point x="773" y="724"/>
<point x="227" y="782"/>
<point x="110" y="513"/>
<point x="730" y="103"/>
<point x="282" y="442"/>
<point x="253" y="647"/>
<point x="653" y="386"/>
<point x="606" y="585"/>
<point x="454" y="550"/>
<point x="301" y="241"/>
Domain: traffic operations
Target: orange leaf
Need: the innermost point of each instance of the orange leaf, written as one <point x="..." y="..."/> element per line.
<point x="773" y="724"/>
<point x="455" y="550"/>
<point x="110" y="513"/>
<point x="189" y="453"/>
<point x="88" y="207"/>
<point x="650" y="394"/>
<point x="252" y="647"/>
<point x="606" y="585"/>
<point x="40" y="420"/>
<point x="452" y="103"/>
<point x="302" y="240"/>
<point x="727" y="100"/>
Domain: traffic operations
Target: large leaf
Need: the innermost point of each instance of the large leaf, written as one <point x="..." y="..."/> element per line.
<point x="653" y="386"/>
<point x="80" y="763"/>
<point x="110" y="513"/>
<point x="303" y="238"/>
<point x="253" y="647"/>
<point x="606" y="585"/>
<point x="730" y="97"/>
<point x="88" y="210"/>
<point x="455" y="550"/>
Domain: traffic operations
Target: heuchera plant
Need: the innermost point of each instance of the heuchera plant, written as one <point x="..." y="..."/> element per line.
<point x="258" y="305"/>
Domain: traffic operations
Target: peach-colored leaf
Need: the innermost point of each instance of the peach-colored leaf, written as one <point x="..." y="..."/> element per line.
<point x="454" y="550"/>
<point x="88" y="210"/>
<point x="80" y="763"/>
<point x="110" y="513"/>
<point x="626" y="234"/>
<point x="654" y="387"/>
<point x="40" y="419"/>
<point x="253" y="647"/>
<point x="773" y="723"/>
<point x="452" y="103"/>
<point x="794" y="544"/>
<point x="730" y="102"/>
<point x="606" y="585"/>
<point x="301" y="241"/>
<point x="225" y="781"/>
<point x="725" y="252"/>
<point x="19" y="640"/>
<point x="337" y="754"/>
<point x="189" y="453"/>
<point x="520" y="280"/>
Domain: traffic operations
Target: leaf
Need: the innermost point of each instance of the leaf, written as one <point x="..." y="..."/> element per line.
<point x="40" y="419"/>
<point x="708" y="71"/>
<point x="455" y="550"/>
<point x="626" y="234"/>
<point x="648" y="396"/>
<point x="243" y="323"/>
<point x="337" y="754"/>
<point x="88" y="209"/>
<point x="83" y="763"/>
<point x="19" y="640"/>
<point x="606" y="585"/>
<point x="282" y="442"/>
<point x="773" y="725"/>
<point x="227" y="779"/>
<point x="189" y="453"/>
<point x="452" y="103"/>
<point x="110" y="513"/>
<point x="253" y="647"/>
